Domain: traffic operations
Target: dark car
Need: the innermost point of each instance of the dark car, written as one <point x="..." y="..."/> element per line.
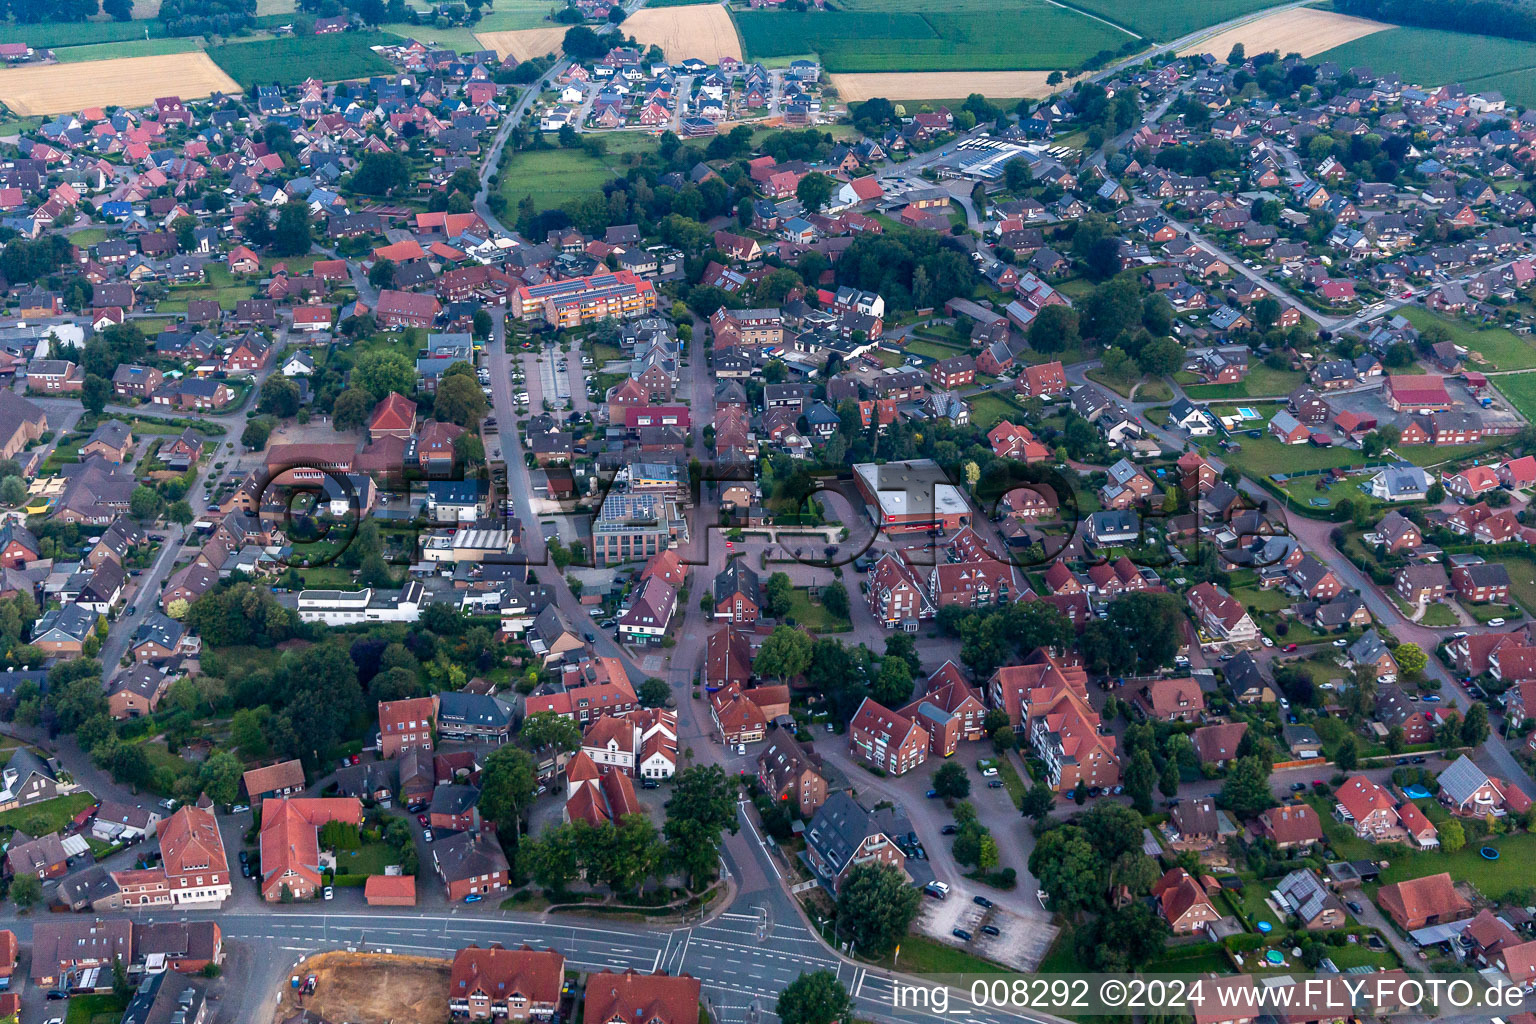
<point x="245" y="857"/>
<point x="949" y="830"/>
<point x="1354" y="908"/>
<point x="1297" y="787"/>
<point x="990" y="929"/>
<point x="1419" y="759"/>
<point x="1402" y="760"/>
<point x="994" y="784"/>
<point x="961" y="934"/>
<point x="649" y="784"/>
<point x="981" y="901"/>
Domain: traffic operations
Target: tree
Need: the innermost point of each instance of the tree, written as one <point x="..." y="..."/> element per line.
<point x="508" y="783"/>
<point x="1069" y="870"/>
<point x="1246" y="790"/>
<point x="779" y="594"/>
<point x="382" y="173"/>
<point x="460" y="400"/>
<point x="382" y="274"/>
<point x="1160" y="356"/>
<point x="1347" y="755"/>
<point x="254" y="436"/>
<point x="13" y="490"/>
<point x="26" y="890"/>
<point x="1474" y="727"/>
<point x="786" y="653"/>
<point x="95" y="393"/>
<point x="351" y="408"/>
<point x="1055" y="329"/>
<point x="1411" y="659"/>
<point x="1236" y="55"/>
<point x="704" y="793"/>
<point x="552" y="859"/>
<point x="583" y="44"/>
<point x="814" y="191"/>
<point x="834" y="598"/>
<point x="1168" y="781"/>
<point x="220" y="777"/>
<point x="951" y="781"/>
<point x="279" y="397"/>
<point x="145" y="503"/>
<point x="815" y="998"/>
<point x="654" y="693"/>
<point x="1140" y="775"/>
<point x="482" y="323"/>
<point x="294" y="233"/>
<point x="1452" y="835"/>
<point x="547" y="728"/>
<point x="381" y="371"/>
<point x="892" y="685"/>
<point x="875" y="907"/>
<point x="1039" y="801"/>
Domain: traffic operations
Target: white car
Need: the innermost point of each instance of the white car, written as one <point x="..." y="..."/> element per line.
<point x="329" y="893"/>
<point x="989" y="772"/>
<point x="1495" y="622"/>
<point x="1341" y="642"/>
<point x="1266" y="641"/>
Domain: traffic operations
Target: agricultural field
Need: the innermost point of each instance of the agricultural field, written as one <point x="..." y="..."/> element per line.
<point x="127" y="48"/>
<point x="1499" y="348"/>
<point x="292" y="59"/>
<point x="80" y="33"/>
<point x="522" y="15"/>
<point x="1303" y="30"/>
<point x="1433" y="57"/>
<point x="971" y="35"/>
<point x="898" y="85"/>
<point x="703" y="32"/>
<point x="126" y="81"/>
<point x="1165" y="20"/>
<point x="523" y="44"/>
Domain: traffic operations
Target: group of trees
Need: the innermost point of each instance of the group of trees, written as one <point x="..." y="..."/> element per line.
<point x="842" y="676"/>
<point x="1084" y="865"/>
<point x="989" y="638"/>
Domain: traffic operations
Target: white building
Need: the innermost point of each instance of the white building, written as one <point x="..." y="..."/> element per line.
<point x="350" y="607"/>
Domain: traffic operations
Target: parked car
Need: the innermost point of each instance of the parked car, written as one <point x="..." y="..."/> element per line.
<point x="981" y="901"/>
<point x="990" y="929"/>
<point x="961" y="934"/>
<point x="938" y="890"/>
<point x="949" y="830"/>
<point x="426" y="835"/>
<point x="932" y="794"/>
<point x="328" y="893"/>
<point x="473" y="897"/>
<point x="989" y="771"/>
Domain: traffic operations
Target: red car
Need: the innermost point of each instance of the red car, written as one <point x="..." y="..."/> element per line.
<point x="421" y="819"/>
<point x="1288" y="648"/>
<point x="356" y="759"/>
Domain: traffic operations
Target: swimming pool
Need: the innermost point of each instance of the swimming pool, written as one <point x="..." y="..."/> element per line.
<point x="1246" y="413"/>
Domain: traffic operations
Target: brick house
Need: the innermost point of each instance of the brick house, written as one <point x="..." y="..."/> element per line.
<point x="885" y="739"/>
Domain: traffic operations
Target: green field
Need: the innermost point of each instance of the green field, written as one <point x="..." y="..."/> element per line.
<point x="987" y="410"/>
<point x="554" y="177"/>
<point x="127" y="48"/>
<point x="1434" y="57"/>
<point x="53" y="34"/>
<point x="100" y="1008"/>
<point x="289" y="61"/>
<point x="1264" y="456"/>
<point x="1493" y="878"/>
<point x="1502" y="349"/>
<point x="1520" y="389"/>
<point x="1261" y="382"/>
<point x="1169" y="19"/>
<point x="971" y="35"/>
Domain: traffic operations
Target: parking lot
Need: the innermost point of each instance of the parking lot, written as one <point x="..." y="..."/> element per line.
<point x="1021" y="941"/>
<point x="1371" y="402"/>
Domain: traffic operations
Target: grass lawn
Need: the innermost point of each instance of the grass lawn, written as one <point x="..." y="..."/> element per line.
<point x="57" y="812"/>
<point x="1493" y="878"/>
<point x="372" y="859"/>
<point x="1012" y="781"/>
<point x="101" y="1008"/>
<point x="1271" y="600"/>
<point x="988" y="409"/>
<point x="90" y="236"/>
<point x="290" y="60"/>
<point x="1119" y="385"/>
<point x="1261" y="382"/>
<point x="1264" y="456"/>
<point x="1500" y="348"/>
<point x="1254" y="906"/>
<point x="554" y="177"/>
<point x="910" y="35"/>
<point x="931" y="349"/>
<point x="918" y="954"/>
<point x="1202" y="958"/>
<point x="1358" y="954"/>
<point x="1520" y="389"/>
<point x="1521" y="574"/>
<point x="1441" y="615"/>
<point x="888" y="359"/>
<point x="814" y="616"/>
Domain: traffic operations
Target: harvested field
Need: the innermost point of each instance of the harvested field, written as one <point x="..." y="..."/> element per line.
<point x="942" y="85"/>
<point x="369" y="988"/>
<point x="705" y="32"/>
<point x="523" y="43"/>
<point x="126" y="81"/>
<point x="1303" y="30"/>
